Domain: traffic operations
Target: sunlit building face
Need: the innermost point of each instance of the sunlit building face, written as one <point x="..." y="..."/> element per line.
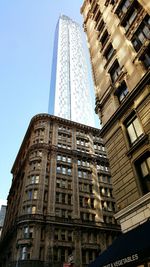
<point x="70" y="89"/>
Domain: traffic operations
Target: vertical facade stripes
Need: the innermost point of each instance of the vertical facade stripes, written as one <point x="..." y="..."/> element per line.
<point x="70" y="89"/>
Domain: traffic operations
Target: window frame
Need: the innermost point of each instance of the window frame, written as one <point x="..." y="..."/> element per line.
<point x="144" y="180"/>
<point x="137" y="129"/>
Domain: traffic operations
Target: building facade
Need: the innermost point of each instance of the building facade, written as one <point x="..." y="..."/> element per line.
<point x="60" y="205"/>
<point x="70" y="89"/>
<point x="118" y="34"/>
<point x="2" y="217"/>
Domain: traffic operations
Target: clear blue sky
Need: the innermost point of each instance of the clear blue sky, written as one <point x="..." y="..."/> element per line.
<point x="27" y="33"/>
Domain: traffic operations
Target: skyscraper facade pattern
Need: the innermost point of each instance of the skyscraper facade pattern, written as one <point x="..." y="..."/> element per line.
<point x="70" y="88"/>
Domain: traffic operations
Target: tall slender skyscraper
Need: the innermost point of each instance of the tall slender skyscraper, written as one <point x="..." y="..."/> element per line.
<point x="70" y="88"/>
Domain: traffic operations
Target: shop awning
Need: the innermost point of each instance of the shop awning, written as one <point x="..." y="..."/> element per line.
<point x="127" y="250"/>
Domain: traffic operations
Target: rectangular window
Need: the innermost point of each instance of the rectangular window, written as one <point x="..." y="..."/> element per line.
<point x="122" y="91"/>
<point x="58" y="169"/>
<point x="63" y="183"/>
<point x="69" y="185"/>
<point x="30" y="232"/>
<point x="145" y="57"/>
<point x="57" y="197"/>
<point x="101" y="26"/>
<point x="104" y="38"/>
<point x="130" y="18"/>
<point x="58" y="157"/>
<point x="143" y="170"/>
<point x="115" y="71"/>
<point x="63" y="213"/>
<point x="124" y="7"/>
<point x="97" y="17"/>
<point x="109" y="52"/>
<point x="69" y="235"/>
<point x="63" y="170"/>
<point x="134" y="128"/>
<point x="84" y="256"/>
<point x="142" y="34"/>
<point x="69" y="199"/>
<point x="34" y="179"/>
<point x="57" y="212"/>
<point x="69" y="160"/>
<point x="56" y="234"/>
<point x="23" y="253"/>
<point x="30" y="194"/>
<point x="63" y="235"/>
<point x="69" y="171"/>
<point x="35" y="194"/>
<point x="58" y="183"/>
<point x="26" y="232"/>
<point x="33" y="209"/>
<point x="79" y="173"/>
<point x="63" y="198"/>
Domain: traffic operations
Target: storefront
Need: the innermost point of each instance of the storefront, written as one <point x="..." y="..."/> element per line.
<point x="129" y="249"/>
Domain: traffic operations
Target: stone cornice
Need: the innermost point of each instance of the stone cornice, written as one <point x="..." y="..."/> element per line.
<point x="142" y="201"/>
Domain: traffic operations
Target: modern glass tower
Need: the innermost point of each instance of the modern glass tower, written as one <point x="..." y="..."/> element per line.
<point x="70" y="89"/>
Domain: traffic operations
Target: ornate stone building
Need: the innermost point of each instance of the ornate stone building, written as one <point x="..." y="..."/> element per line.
<point x="118" y="34"/>
<point x="60" y="204"/>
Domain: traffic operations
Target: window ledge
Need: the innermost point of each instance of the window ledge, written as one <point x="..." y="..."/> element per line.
<point x="141" y="140"/>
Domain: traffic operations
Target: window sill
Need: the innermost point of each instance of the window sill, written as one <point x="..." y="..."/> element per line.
<point x="140" y="141"/>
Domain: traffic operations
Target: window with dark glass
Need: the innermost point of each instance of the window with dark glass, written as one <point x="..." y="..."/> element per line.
<point x="133" y="127"/>
<point x="55" y="254"/>
<point x="26" y="232"/>
<point x="100" y="25"/>
<point x="63" y="213"/>
<point x="145" y="57"/>
<point x="97" y="18"/>
<point x="122" y="91"/>
<point x="69" y="235"/>
<point x="109" y="52"/>
<point x="63" y="235"/>
<point x="104" y="38"/>
<point x="123" y="7"/>
<point x="63" y="255"/>
<point x="143" y="170"/>
<point x="69" y="199"/>
<point x="115" y="71"/>
<point x="94" y="10"/>
<point x="142" y="34"/>
<point x="81" y="201"/>
<point x="63" y="198"/>
<point x="130" y="18"/>
<point x="57" y="197"/>
<point x="84" y="256"/>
